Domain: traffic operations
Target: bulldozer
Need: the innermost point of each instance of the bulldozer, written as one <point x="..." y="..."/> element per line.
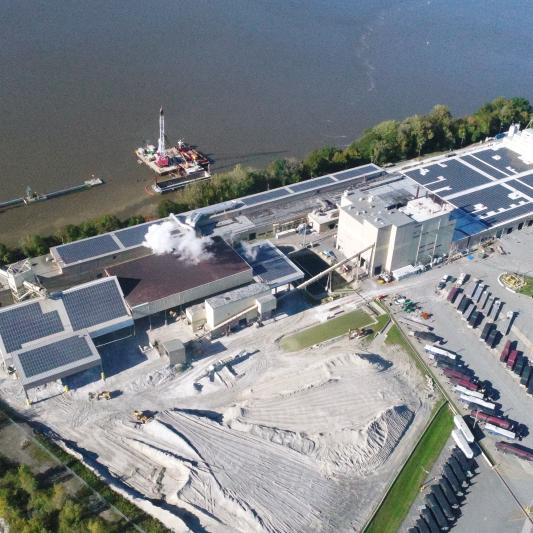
<point x="102" y="395"/>
<point x="141" y="417"/>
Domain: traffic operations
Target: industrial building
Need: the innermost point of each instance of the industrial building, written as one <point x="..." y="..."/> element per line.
<point x="156" y="283"/>
<point x="398" y="227"/>
<point x="51" y="337"/>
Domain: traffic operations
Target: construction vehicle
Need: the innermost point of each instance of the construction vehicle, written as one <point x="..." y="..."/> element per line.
<point x="141" y="417"/>
<point x="102" y="395"/>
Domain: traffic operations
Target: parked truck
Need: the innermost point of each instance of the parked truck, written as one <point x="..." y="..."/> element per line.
<point x="462" y="426"/>
<point x="500" y="432"/>
<point x="515" y="449"/>
<point x="435" y="350"/>
<point x="504" y="423"/>
<point x="461" y="441"/>
<point x="478" y="401"/>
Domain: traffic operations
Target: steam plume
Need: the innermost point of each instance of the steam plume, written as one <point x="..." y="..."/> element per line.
<point x="167" y="237"/>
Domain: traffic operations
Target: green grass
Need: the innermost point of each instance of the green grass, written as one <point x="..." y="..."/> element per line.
<point x="405" y="488"/>
<point x="328" y="330"/>
<point x="381" y="322"/>
<point x="527" y="289"/>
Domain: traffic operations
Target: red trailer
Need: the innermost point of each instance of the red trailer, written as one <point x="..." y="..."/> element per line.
<point x="466" y="383"/>
<point x="491" y="419"/>
<point x="452" y="294"/>
<point x="451" y="373"/>
<point x="511" y="360"/>
<point x="515" y="449"/>
<point x="505" y="352"/>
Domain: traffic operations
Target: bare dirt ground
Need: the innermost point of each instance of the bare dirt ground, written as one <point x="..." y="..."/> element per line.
<point x="250" y="438"/>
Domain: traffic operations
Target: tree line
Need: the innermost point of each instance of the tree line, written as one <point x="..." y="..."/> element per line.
<point x="390" y="141"/>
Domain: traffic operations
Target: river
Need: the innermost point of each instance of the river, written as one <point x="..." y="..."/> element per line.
<point x="248" y="81"/>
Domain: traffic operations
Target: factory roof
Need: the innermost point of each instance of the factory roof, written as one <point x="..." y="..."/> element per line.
<point x="490" y="185"/>
<point x="90" y="307"/>
<point x="236" y="295"/>
<point x="115" y="242"/>
<point x="270" y="265"/>
<point x="154" y="277"/>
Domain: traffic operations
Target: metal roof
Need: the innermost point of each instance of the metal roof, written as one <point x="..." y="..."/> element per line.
<point x="270" y="265"/>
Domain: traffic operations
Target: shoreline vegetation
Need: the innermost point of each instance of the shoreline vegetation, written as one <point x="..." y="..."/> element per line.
<point x="388" y="142"/>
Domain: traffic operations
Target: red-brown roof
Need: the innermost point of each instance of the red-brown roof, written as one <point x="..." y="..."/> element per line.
<point x="153" y="277"/>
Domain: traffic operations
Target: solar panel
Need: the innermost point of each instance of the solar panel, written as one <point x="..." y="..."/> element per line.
<point x="505" y="158"/>
<point x="510" y="214"/>
<point x="356" y="172"/>
<point x="52" y="356"/>
<point x="486" y="166"/>
<point x="311" y="184"/>
<point x="494" y="198"/>
<point x="133" y="236"/>
<point x="521" y="187"/>
<point x="87" y="248"/>
<point x="19" y="325"/>
<point x="528" y="180"/>
<point x="265" y="197"/>
<point x="94" y="304"/>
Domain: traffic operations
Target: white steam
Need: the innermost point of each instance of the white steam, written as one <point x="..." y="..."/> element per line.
<point x="167" y="238"/>
<point x="249" y="251"/>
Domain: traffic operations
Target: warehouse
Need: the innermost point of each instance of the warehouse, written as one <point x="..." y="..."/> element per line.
<point x="56" y="336"/>
<point x="155" y="283"/>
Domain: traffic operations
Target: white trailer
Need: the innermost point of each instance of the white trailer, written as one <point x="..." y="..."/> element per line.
<point x="461" y="425"/>
<point x="463" y="390"/>
<point x="434" y="350"/>
<point x="491" y="428"/>
<point x="472" y="399"/>
<point x="460" y="440"/>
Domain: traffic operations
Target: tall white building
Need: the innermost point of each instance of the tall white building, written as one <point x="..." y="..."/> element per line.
<point x="404" y="229"/>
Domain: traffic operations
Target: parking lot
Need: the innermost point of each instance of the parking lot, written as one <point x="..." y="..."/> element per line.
<point x="489" y="501"/>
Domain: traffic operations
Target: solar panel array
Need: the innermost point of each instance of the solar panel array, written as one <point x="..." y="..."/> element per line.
<point x="133" y="236"/>
<point x="27" y="323"/>
<point x="357" y="172"/>
<point x="311" y="184"/>
<point x="55" y="355"/>
<point x="94" y="304"/>
<point x="503" y="159"/>
<point x="266" y="196"/>
<point x="469" y="190"/>
<point x="87" y="248"/>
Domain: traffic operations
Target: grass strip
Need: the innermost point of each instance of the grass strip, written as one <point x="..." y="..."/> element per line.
<point x="527" y="289"/>
<point x="328" y="330"/>
<point x="401" y="495"/>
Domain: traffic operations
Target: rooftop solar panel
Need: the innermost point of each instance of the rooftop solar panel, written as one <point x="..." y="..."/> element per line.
<point x="521" y="187"/>
<point x="266" y="196"/>
<point x="528" y="180"/>
<point x="133" y="236"/>
<point x="356" y="172"/>
<point x="504" y="159"/>
<point x="447" y="177"/>
<point x="311" y="184"/>
<point x="19" y="325"/>
<point x="94" y="304"/>
<point x="47" y="358"/>
<point x="87" y="248"/>
<point x="510" y="214"/>
<point x="486" y="166"/>
<point x="493" y="198"/>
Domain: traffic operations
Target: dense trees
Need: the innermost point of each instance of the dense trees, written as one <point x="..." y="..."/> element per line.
<point x="387" y="142"/>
